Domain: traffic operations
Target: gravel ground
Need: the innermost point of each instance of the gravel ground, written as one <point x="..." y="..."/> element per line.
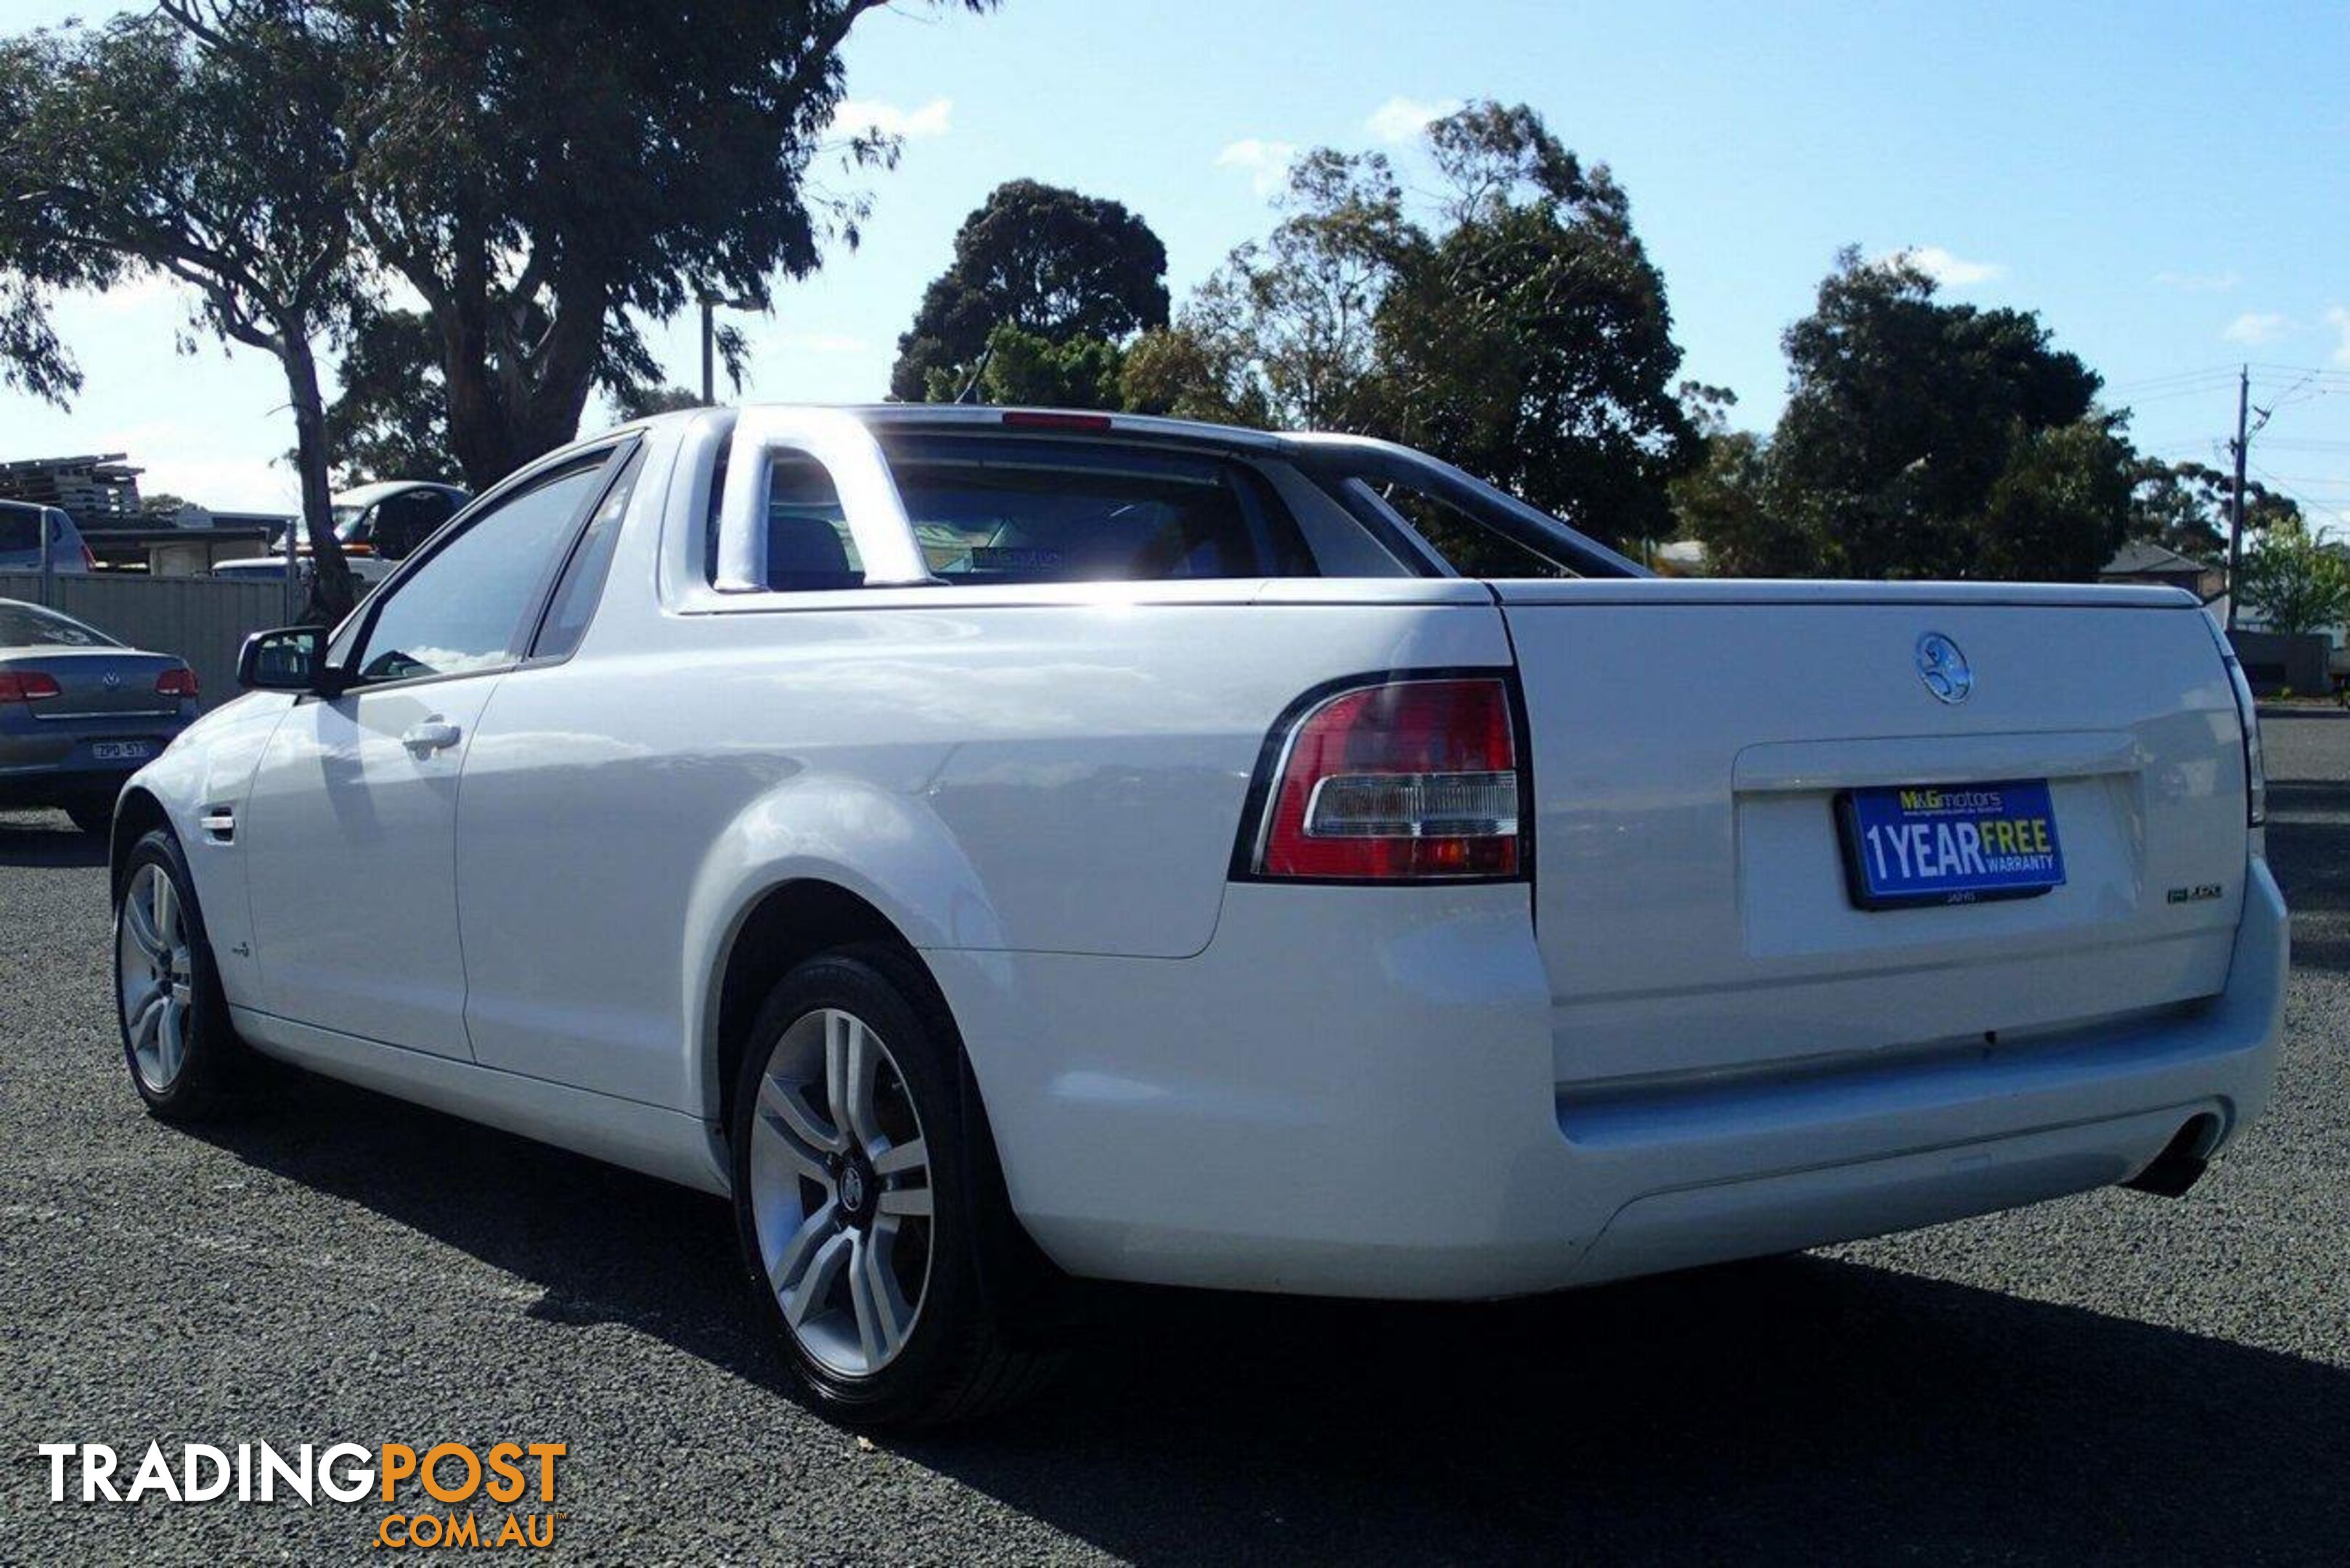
<point x="2108" y="1377"/>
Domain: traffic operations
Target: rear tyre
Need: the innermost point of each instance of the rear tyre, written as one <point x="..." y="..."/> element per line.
<point x="97" y="820"/>
<point x="862" y="1198"/>
<point x="174" y="1020"/>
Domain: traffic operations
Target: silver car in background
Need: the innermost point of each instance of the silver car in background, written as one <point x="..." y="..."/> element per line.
<point x="79" y="712"/>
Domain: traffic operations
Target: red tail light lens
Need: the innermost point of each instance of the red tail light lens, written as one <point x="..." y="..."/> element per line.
<point x="1048" y="419"/>
<point x="27" y="685"/>
<point x="181" y="683"/>
<point x="1406" y="780"/>
<point x="89" y="559"/>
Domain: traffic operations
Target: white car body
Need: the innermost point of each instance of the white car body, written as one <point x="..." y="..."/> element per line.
<point x="1677" y="1041"/>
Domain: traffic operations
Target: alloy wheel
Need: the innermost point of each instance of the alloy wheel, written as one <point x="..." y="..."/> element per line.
<point x="154" y="978"/>
<point x="840" y="1192"/>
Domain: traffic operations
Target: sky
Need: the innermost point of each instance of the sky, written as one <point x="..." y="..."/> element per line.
<point x="2168" y="185"/>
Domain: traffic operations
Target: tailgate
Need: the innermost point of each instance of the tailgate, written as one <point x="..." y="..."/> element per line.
<point x="1693" y="744"/>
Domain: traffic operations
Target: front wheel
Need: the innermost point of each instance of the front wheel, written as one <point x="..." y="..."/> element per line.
<point x="857" y="1200"/>
<point x="168" y="1000"/>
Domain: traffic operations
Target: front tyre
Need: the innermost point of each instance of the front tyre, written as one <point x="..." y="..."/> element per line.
<point x="168" y="1000"/>
<point x="858" y="1197"/>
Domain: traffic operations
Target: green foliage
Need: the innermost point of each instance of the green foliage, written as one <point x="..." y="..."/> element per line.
<point x="643" y="402"/>
<point x="2184" y="507"/>
<point x="1904" y="414"/>
<point x="2294" y="584"/>
<point x="547" y="176"/>
<point x="204" y="141"/>
<point x="1920" y="440"/>
<point x="1023" y="367"/>
<point x="1523" y="334"/>
<point x="392" y="420"/>
<point x="2060" y="507"/>
<point x="1057" y="267"/>
<point x="1725" y="503"/>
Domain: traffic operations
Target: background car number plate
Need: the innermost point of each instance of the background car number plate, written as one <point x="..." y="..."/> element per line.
<point x="1949" y="843"/>
<point x="120" y="751"/>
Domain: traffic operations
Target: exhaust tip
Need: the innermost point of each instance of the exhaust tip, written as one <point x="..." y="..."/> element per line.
<point x="2183" y="1160"/>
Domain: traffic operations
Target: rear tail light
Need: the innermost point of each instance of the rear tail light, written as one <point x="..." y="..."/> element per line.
<point x="1414" y="779"/>
<point x="1050" y="419"/>
<point x="180" y="682"/>
<point x="89" y="559"/>
<point x="27" y="685"/>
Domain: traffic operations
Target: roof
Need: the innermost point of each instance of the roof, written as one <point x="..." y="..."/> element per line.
<point x="2143" y="557"/>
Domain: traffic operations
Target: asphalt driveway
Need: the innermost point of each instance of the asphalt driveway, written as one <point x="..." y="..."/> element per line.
<point x="2114" y="1377"/>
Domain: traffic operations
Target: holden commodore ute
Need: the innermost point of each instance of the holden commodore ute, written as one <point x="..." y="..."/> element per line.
<point x="994" y="848"/>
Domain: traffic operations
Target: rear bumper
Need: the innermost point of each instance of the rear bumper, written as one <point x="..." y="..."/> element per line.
<point x="51" y="762"/>
<point x="25" y="788"/>
<point x="1352" y="1092"/>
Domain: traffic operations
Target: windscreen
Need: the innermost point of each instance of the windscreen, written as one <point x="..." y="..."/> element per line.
<point x="28" y="626"/>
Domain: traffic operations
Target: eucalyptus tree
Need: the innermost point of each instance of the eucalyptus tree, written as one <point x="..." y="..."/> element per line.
<point x="549" y="175"/>
<point x="205" y="144"/>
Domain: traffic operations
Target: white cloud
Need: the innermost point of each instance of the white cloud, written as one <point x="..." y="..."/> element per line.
<point x="2339" y="320"/>
<point x="1400" y="118"/>
<point x="1950" y="271"/>
<point x="2255" y="326"/>
<point x="2198" y="282"/>
<point x="933" y="118"/>
<point x="1267" y="161"/>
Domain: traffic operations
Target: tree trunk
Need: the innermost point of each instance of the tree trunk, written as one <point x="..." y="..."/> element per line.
<point x="501" y="416"/>
<point x="332" y="593"/>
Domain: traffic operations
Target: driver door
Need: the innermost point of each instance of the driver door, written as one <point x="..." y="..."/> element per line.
<point x="350" y="830"/>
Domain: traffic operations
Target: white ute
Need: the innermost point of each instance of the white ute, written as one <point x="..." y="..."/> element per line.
<point x="994" y="846"/>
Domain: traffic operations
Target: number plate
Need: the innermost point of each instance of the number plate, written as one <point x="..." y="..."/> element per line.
<point x="122" y="750"/>
<point x="1949" y="843"/>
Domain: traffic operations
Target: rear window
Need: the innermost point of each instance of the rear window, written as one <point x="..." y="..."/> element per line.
<point x="28" y="626"/>
<point x="19" y="532"/>
<point x="991" y="510"/>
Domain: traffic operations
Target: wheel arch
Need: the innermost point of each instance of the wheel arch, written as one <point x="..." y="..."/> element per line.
<point x="136" y="814"/>
<point x="790" y="922"/>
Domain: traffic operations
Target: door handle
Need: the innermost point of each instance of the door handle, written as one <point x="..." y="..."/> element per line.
<point x="435" y="734"/>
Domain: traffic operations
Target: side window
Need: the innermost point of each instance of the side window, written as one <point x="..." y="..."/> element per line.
<point x="582" y="584"/>
<point x="809" y="545"/>
<point x="809" y="542"/>
<point x="403" y="522"/>
<point x="464" y="608"/>
<point x="1474" y="549"/>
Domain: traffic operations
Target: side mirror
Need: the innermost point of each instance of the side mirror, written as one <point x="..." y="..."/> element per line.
<point x="291" y="658"/>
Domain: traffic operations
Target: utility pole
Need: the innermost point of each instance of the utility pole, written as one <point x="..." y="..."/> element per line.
<point x="2235" y="512"/>
<point x="710" y="378"/>
<point x="710" y="304"/>
<point x="2240" y="449"/>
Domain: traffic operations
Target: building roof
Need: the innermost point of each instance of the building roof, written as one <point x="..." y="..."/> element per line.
<point x="2143" y="557"/>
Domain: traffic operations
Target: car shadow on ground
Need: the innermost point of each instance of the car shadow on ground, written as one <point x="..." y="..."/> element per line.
<point x="1775" y="1410"/>
<point x="45" y="838"/>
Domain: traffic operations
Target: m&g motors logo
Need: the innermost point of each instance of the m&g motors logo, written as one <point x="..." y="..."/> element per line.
<point x="408" y="1482"/>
